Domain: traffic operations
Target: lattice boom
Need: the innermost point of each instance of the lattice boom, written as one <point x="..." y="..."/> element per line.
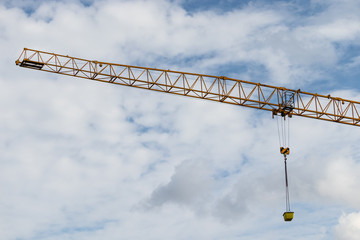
<point x="214" y="88"/>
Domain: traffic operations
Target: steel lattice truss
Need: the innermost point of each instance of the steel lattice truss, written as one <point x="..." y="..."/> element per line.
<point x="279" y="100"/>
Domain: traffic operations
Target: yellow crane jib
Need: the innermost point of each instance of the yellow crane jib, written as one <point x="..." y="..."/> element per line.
<point x="278" y="100"/>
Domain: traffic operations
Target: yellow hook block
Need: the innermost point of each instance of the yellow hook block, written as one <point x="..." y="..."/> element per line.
<point x="285" y="151"/>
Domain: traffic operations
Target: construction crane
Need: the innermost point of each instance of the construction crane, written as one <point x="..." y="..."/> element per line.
<point x="282" y="102"/>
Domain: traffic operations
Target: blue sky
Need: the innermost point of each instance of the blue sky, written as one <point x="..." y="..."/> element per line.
<point x="86" y="160"/>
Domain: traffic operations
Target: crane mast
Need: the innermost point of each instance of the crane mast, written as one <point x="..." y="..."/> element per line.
<point x="278" y="100"/>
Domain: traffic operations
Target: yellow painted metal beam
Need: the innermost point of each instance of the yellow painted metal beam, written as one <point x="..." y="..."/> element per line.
<point x="214" y="88"/>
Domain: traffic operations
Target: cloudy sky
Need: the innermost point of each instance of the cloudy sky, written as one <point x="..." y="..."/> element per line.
<point x="87" y="160"/>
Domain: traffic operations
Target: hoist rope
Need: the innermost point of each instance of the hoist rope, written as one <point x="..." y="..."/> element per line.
<point x="287" y="187"/>
<point x="278" y="128"/>
<point x="284" y="131"/>
<point x="288" y="139"/>
<point x="283" y="127"/>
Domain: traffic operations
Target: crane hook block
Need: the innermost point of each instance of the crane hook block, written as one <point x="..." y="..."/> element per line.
<point x="288" y="216"/>
<point x="285" y="151"/>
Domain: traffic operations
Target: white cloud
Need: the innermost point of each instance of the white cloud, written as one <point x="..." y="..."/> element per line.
<point x="161" y="30"/>
<point x="337" y="32"/>
<point x="190" y="184"/>
<point x="78" y="158"/>
<point x="341" y="174"/>
<point x="348" y="227"/>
